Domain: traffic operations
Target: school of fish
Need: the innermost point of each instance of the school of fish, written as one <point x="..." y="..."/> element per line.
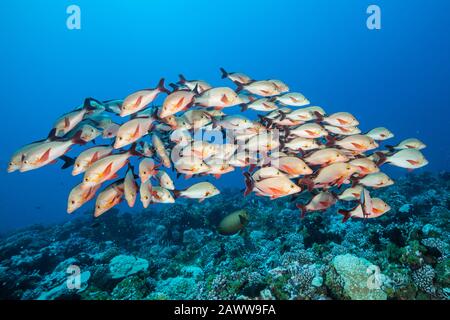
<point x="291" y="148"/>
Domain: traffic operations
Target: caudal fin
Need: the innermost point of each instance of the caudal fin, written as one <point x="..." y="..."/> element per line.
<point x="68" y="161"/>
<point x="176" y="193"/>
<point x="77" y="138"/>
<point x="182" y="79"/>
<point x="330" y="140"/>
<point x="346" y="214"/>
<point x="306" y="182"/>
<point x="249" y="184"/>
<point x="161" y="86"/>
<point x="319" y="116"/>
<point x="239" y="88"/>
<point x="302" y="209"/>
<point x="224" y="73"/>
<point x="382" y="158"/>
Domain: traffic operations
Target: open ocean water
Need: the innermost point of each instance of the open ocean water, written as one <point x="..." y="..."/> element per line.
<point x="388" y="65"/>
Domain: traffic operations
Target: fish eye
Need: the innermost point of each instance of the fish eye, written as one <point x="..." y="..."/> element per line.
<point x="145" y="172"/>
<point x="98" y="207"/>
<point x="78" y="165"/>
<point x="120" y="138"/>
<point x="146" y="197"/>
<point x="292" y="186"/>
<point x="25" y="161"/>
<point x="86" y="179"/>
<point x="11" y="163"/>
<point x="73" y="202"/>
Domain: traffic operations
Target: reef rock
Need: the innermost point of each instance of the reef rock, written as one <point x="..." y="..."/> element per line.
<point x="358" y="278"/>
<point x="122" y="266"/>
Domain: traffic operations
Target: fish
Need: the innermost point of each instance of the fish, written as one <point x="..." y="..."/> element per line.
<point x="190" y="166"/>
<point x="265" y="141"/>
<point x="145" y="190"/>
<point x="46" y="152"/>
<point x="200" y="149"/>
<point x="365" y="166"/>
<point x="177" y="101"/>
<point x="86" y="158"/>
<point x="302" y="144"/>
<point x="139" y="100"/>
<point x="341" y="119"/>
<point x="164" y="180"/>
<point x="379" y="208"/>
<point x="308" y="130"/>
<point x="236" y="77"/>
<point x="380" y="134"/>
<point x="261" y="104"/>
<point x="198" y="85"/>
<point x="264" y="88"/>
<point x="410" y="143"/>
<point x="335" y="174"/>
<point x="293" y="99"/>
<point x="197" y="118"/>
<point x="265" y="173"/>
<point x="344" y="131"/>
<point x="220" y="97"/>
<point x="130" y="187"/>
<point x="233" y="223"/>
<point x="320" y="202"/>
<point x="147" y="169"/>
<point x="325" y="157"/>
<point x="69" y="121"/>
<point x="234" y="122"/>
<point x="357" y="142"/>
<point x="276" y="187"/>
<point x="375" y="180"/>
<point x="132" y="131"/>
<point x="161" y="151"/>
<point x="405" y="158"/>
<point x="200" y="191"/>
<point x="111" y="196"/>
<point x="280" y="86"/>
<point x="110" y="131"/>
<point x="292" y="166"/>
<point x="351" y="194"/>
<point x="107" y="167"/>
<point x="298" y="115"/>
<point x="79" y="195"/>
<point x="219" y="168"/>
<point x="161" y="195"/>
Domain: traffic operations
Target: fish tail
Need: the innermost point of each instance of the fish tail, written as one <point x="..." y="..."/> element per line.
<point x="224" y="73"/>
<point x="88" y="106"/>
<point x="330" y="141"/>
<point x="52" y="134"/>
<point x="176" y="193"/>
<point x="68" y="161"/>
<point x="244" y="107"/>
<point x="390" y="148"/>
<point x="77" y="138"/>
<point x="354" y="181"/>
<point x="282" y="115"/>
<point x="302" y="209"/>
<point x="249" y="184"/>
<point x="182" y="79"/>
<point x="346" y="214"/>
<point x="133" y="150"/>
<point x="173" y="86"/>
<point x="161" y="86"/>
<point x="239" y="88"/>
<point x="307" y="182"/>
<point x="382" y="159"/>
<point x="318" y="116"/>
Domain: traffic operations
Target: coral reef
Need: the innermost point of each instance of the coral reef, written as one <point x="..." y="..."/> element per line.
<point x="175" y="252"/>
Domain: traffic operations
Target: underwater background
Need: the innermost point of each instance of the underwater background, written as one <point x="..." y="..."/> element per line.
<point x="397" y="77"/>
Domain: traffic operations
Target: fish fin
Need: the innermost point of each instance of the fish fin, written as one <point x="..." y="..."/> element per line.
<point x="161" y="86"/>
<point x="318" y="116"/>
<point x="410" y="170"/>
<point x="239" y="88"/>
<point x="133" y="151"/>
<point x="330" y="141"/>
<point x="382" y="159"/>
<point x="66" y="122"/>
<point x="77" y="138"/>
<point x="282" y="115"/>
<point x="224" y="73"/>
<point x="249" y="183"/>
<point x="244" y="107"/>
<point x="176" y="193"/>
<point x="136" y="132"/>
<point x="187" y="176"/>
<point x="224" y="99"/>
<point x="217" y="176"/>
<point x="173" y="86"/>
<point x="201" y="200"/>
<point x="342" y="122"/>
<point x="95" y="157"/>
<point x="390" y="148"/>
<point x="345" y="213"/>
<point x="302" y="209"/>
<point x="252" y="167"/>
<point x="182" y="79"/>
<point x="306" y="182"/>
<point x="107" y="170"/>
<point x="357" y="145"/>
<point x="52" y="134"/>
<point x="68" y="161"/>
<point x="45" y="156"/>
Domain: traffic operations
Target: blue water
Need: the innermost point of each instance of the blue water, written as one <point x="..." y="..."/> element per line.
<point x="396" y="77"/>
